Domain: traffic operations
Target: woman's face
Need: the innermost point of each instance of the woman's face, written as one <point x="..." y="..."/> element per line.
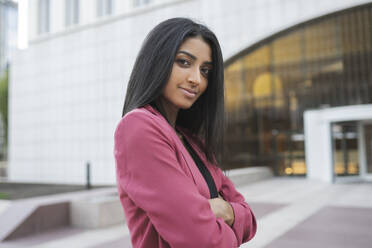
<point x="189" y="76"/>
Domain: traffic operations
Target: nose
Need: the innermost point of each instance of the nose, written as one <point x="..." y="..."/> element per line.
<point x="194" y="77"/>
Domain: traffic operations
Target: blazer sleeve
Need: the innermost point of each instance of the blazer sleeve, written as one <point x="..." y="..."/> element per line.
<point x="148" y="170"/>
<point x="245" y="224"/>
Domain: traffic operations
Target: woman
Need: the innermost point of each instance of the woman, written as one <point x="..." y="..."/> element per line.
<point x="172" y="192"/>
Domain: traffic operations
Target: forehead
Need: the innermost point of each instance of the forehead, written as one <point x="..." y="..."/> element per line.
<point x="197" y="47"/>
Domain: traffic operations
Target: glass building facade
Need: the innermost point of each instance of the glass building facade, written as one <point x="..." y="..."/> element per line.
<point x="322" y="63"/>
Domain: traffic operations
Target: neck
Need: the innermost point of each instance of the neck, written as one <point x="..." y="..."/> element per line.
<point x="172" y="116"/>
<point x="171" y="112"/>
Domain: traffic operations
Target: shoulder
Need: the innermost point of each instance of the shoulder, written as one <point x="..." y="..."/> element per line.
<point x="136" y="117"/>
<point x="141" y="122"/>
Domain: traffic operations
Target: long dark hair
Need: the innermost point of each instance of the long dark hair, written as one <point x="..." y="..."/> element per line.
<point x="151" y="72"/>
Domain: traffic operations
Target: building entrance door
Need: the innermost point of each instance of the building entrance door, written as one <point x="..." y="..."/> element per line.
<point x="345" y="149"/>
<point x="335" y="143"/>
<point x="366" y="150"/>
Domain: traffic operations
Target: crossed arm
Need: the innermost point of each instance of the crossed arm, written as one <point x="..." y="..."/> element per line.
<point x="222" y="209"/>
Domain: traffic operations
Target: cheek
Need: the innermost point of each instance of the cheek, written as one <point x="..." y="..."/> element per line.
<point x="176" y="73"/>
<point x="172" y="81"/>
<point x="204" y="86"/>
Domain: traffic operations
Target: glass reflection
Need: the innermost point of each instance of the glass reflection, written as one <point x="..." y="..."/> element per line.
<point x="319" y="64"/>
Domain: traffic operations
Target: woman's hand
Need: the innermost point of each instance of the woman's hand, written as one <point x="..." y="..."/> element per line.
<point x="222" y="209"/>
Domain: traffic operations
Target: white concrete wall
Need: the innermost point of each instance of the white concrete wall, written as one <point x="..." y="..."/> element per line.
<point x="87" y="14"/>
<point x="318" y="147"/>
<point x="318" y="137"/>
<point x="57" y="14"/>
<point x="67" y="89"/>
<point x="31" y="19"/>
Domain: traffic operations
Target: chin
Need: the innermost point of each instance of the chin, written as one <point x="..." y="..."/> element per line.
<point x="185" y="105"/>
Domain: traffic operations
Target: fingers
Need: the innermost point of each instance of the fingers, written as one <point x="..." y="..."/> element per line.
<point x="222" y="209"/>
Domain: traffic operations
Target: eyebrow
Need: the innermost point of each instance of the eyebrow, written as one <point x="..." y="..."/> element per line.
<point x="193" y="56"/>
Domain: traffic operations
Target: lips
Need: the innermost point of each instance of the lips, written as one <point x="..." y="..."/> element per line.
<point x="188" y="92"/>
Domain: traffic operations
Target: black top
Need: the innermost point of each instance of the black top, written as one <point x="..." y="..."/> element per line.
<point x="204" y="171"/>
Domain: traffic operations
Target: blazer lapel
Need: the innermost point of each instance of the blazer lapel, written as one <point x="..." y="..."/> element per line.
<point x="211" y="167"/>
<point x="198" y="178"/>
<point x="196" y="174"/>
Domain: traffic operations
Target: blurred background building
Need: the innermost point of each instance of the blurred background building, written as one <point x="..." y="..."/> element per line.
<point x="282" y="57"/>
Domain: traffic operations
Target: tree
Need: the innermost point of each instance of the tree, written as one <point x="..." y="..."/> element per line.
<point x="4" y="104"/>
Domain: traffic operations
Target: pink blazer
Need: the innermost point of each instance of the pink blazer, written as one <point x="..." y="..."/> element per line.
<point x="163" y="193"/>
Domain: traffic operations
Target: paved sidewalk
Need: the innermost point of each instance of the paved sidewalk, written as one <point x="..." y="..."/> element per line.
<point x="292" y="213"/>
<point x="315" y="215"/>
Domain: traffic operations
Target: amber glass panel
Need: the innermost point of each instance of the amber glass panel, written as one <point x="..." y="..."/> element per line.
<point x="259" y="58"/>
<point x="322" y="63"/>
<point x="345" y="149"/>
<point x="233" y="87"/>
<point x="288" y="49"/>
<point x="322" y="40"/>
<point x="255" y="64"/>
<point x="368" y="146"/>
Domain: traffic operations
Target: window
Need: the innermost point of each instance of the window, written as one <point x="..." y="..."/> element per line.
<point x="43" y="16"/>
<point x="104" y="7"/>
<point x="138" y="3"/>
<point x="72" y="12"/>
<point x="320" y="63"/>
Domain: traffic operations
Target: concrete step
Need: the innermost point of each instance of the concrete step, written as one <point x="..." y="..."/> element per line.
<point x="249" y="175"/>
<point x="36" y="215"/>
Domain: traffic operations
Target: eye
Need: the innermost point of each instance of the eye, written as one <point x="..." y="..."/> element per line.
<point x="183" y="62"/>
<point x="205" y="71"/>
